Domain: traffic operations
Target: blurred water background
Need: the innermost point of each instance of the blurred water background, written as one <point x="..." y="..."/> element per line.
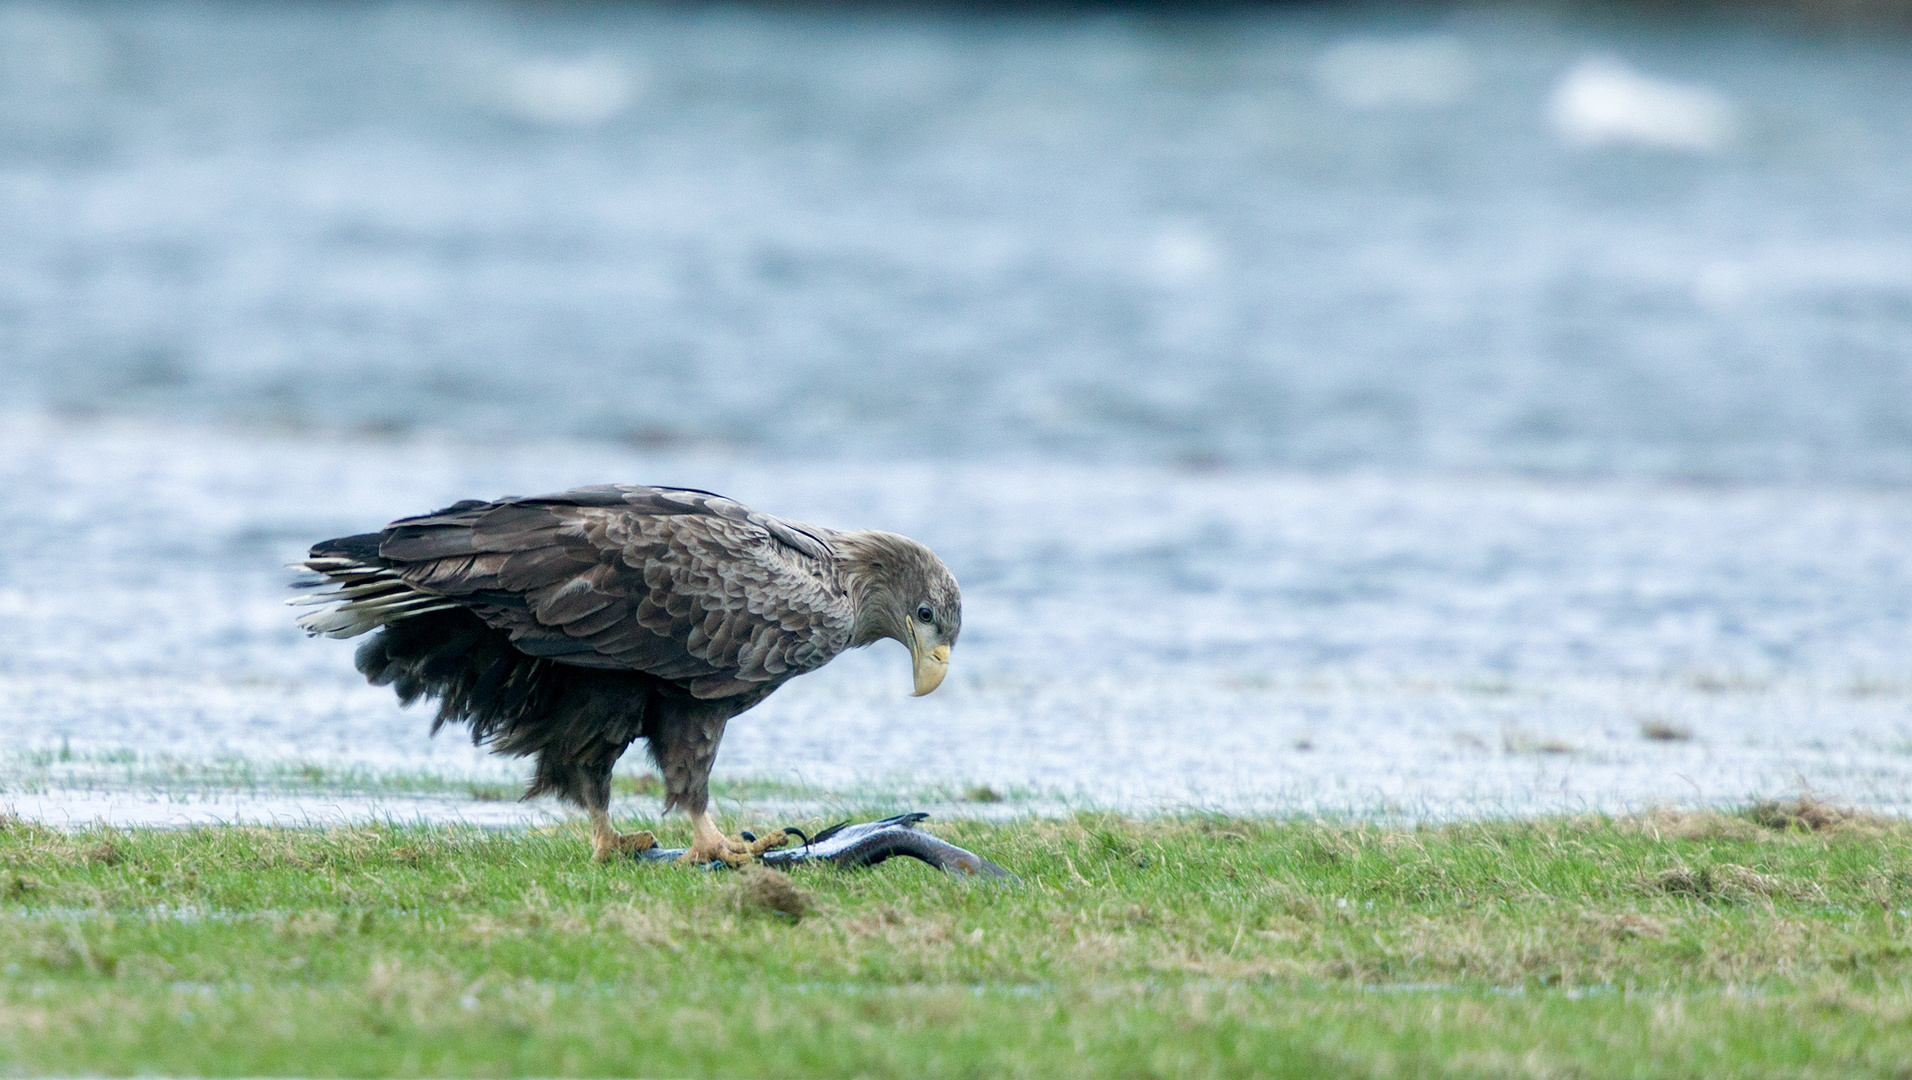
<point x="1325" y="407"/>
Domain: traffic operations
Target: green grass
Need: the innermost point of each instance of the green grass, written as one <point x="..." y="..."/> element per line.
<point x="1765" y="944"/>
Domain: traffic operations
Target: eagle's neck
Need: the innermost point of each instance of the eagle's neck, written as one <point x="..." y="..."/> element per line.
<point x="871" y="563"/>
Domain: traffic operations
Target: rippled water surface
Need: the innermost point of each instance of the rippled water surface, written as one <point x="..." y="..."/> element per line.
<point x="1477" y="240"/>
<point x="1324" y="409"/>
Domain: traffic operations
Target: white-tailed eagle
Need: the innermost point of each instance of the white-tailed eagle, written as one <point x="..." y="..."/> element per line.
<point x="567" y="626"/>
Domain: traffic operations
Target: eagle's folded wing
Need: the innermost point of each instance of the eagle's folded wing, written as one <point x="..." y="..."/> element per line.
<point x="681" y="584"/>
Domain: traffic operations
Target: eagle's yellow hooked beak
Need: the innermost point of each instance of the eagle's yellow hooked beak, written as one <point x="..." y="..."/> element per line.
<point x="931" y="664"/>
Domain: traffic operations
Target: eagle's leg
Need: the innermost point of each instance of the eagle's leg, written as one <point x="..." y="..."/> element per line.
<point x="582" y="776"/>
<point x="683" y="741"/>
<point x="595" y="792"/>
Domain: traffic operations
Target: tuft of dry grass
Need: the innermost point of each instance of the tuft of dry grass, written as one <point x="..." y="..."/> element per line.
<point x="1769" y="820"/>
<point x="771" y="892"/>
<point x="1724" y="882"/>
<point x="1804" y="814"/>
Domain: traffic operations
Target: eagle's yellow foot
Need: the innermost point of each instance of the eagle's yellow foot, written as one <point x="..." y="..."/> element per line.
<point x="607" y="843"/>
<point x="773" y="839"/>
<point x="722" y="851"/>
<point x="620" y="844"/>
<point x="709" y="845"/>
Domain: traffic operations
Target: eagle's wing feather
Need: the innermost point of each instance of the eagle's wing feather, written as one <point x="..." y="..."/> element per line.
<point x="681" y="584"/>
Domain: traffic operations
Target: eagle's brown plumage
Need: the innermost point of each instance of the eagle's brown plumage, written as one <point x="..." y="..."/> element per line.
<point x="567" y="626"/>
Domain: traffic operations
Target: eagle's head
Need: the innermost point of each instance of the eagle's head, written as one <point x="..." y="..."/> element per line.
<point x="903" y="592"/>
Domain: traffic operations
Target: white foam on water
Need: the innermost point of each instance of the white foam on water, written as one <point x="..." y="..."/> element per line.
<point x="1603" y="102"/>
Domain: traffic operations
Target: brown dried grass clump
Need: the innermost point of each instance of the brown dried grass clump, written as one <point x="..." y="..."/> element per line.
<point x="771" y="892"/>
<point x="1804" y="814"/>
<point x="1762" y="821"/>
<point x="1723" y="881"/>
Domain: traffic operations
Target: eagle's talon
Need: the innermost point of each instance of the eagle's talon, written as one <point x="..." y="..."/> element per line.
<point x="754" y="845"/>
<point x="732" y="850"/>
<point x="720" y="852"/>
<point x="609" y="847"/>
<point x="776" y="838"/>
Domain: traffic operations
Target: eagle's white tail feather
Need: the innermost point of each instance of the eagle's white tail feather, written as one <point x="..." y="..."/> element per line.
<point x="414" y="603"/>
<point x="332" y="592"/>
<point x="356" y="597"/>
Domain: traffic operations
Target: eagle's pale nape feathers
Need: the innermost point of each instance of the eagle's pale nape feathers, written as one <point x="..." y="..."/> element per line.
<point x="567" y="626"/>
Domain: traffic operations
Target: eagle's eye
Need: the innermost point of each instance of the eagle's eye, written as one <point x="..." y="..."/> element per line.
<point x="925" y="615"/>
